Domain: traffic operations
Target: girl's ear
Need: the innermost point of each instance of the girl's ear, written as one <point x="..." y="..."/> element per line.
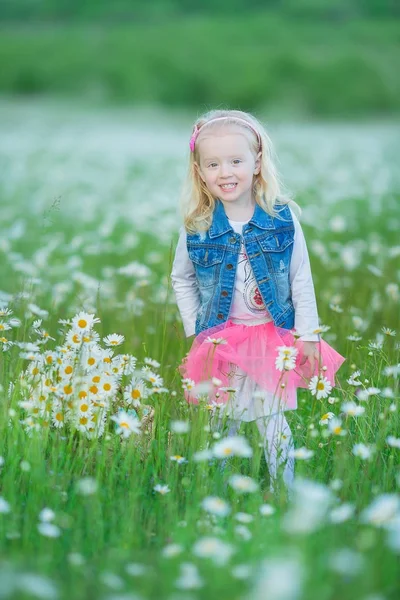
<point x="257" y="166"/>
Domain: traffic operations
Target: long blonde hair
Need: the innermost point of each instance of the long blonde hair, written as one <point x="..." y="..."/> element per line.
<point x="196" y="202"/>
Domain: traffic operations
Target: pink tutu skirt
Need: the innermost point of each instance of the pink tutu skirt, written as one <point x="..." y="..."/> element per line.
<point x="219" y="353"/>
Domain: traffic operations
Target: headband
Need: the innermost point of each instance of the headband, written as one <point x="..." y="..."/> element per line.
<point x="197" y="130"/>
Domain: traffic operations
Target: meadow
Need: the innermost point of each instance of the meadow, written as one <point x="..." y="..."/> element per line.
<point x="94" y="506"/>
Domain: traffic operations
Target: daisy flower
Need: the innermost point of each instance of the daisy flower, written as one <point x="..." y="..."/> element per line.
<point x="320" y="387"/>
<point x="387" y="331"/>
<point x="180" y="426"/>
<point x="215" y="341"/>
<point x="301" y="453"/>
<point x="353" y="379"/>
<point x="286" y="359"/>
<point x="188" y="384"/>
<point x="214" y="548"/>
<point x="179" y="459"/>
<point x="243" y="484"/>
<point x="83" y="322"/>
<point x="126" y="424"/>
<point x="232" y="446"/>
<point x="152" y="363"/>
<point x="324" y="420"/>
<point x="362" y="450"/>
<point x="335" y="427"/>
<point x="216" y="506"/>
<point x="161" y="489"/>
<point x="352" y="409"/>
<point x="135" y="392"/>
<point x="393" y="441"/>
<point x="113" y="340"/>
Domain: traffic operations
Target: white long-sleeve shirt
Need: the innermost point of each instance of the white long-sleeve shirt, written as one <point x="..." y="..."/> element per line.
<point x="187" y="293"/>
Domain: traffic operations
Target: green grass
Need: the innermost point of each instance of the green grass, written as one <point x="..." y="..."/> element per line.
<point x="258" y="62"/>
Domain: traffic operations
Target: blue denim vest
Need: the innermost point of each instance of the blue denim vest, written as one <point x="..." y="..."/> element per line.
<point x="269" y="245"/>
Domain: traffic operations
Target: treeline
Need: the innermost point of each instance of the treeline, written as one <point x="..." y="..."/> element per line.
<point x="256" y="62"/>
<point x="122" y="10"/>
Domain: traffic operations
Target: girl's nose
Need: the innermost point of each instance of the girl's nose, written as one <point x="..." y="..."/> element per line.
<point x="225" y="170"/>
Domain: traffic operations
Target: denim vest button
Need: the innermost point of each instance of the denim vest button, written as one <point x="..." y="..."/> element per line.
<point x="220" y="316"/>
<point x="229" y="266"/>
<point x="232" y="240"/>
<point x="224" y="293"/>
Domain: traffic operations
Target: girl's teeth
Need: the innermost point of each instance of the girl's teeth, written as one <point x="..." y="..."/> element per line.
<point x="228" y="186"/>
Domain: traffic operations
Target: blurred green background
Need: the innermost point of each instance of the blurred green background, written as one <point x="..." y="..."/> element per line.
<point x="284" y="57"/>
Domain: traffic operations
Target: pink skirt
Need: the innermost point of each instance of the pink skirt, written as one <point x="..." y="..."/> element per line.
<point x="219" y="353"/>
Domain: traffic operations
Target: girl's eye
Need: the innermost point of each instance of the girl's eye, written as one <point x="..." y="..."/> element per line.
<point x="237" y="160"/>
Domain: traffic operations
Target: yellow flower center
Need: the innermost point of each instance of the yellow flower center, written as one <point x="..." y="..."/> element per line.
<point x="82" y="323"/>
<point x="96" y="379"/>
<point x="91" y="361"/>
<point x="135" y="394"/>
<point x="68" y="370"/>
<point x="94" y="389"/>
<point x="320" y="385"/>
<point x="84" y="407"/>
<point x="59" y="417"/>
<point x="83" y="420"/>
<point x="49" y="360"/>
<point x="68" y="389"/>
<point x="76" y="339"/>
<point x="82" y="394"/>
<point x="106" y="387"/>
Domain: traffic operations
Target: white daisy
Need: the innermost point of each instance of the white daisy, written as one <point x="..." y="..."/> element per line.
<point x="301" y="453"/>
<point x="161" y="489"/>
<point x="320" y="387"/>
<point x="362" y="450"/>
<point x="335" y="427"/>
<point x="126" y="424"/>
<point x="393" y="441"/>
<point x="352" y="409"/>
<point x="180" y="426"/>
<point x="83" y="322"/>
<point x="114" y="339"/>
<point x="243" y="484"/>
<point x="216" y="506"/>
<point x="178" y="459"/>
<point x="286" y="359"/>
<point x="236" y="445"/>
<point x="135" y="392"/>
<point x="215" y="341"/>
<point x="326" y="418"/>
<point x="214" y="548"/>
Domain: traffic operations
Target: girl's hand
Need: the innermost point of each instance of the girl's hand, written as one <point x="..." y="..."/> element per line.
<point x="310" y="353"/>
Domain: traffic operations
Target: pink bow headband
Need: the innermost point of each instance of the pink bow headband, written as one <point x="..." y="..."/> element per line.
<point x="197" y="130"/>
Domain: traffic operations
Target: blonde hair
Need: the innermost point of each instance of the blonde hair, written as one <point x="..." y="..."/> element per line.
<point x="196" y="202"/>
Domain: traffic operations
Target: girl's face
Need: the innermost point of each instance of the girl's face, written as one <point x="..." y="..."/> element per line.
<point x="227" y="166"/>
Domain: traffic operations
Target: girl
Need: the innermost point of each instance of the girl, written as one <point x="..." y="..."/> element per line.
<point x="243" y="285"/>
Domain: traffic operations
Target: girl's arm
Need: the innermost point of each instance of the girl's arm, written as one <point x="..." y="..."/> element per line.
<point x="184" y="284"/>
<point x="303" y="294"/>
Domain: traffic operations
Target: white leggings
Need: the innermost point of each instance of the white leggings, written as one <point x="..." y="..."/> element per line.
<point x="277" y="441"/>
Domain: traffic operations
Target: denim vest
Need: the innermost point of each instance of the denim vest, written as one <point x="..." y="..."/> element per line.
<point x="269" y="245"/>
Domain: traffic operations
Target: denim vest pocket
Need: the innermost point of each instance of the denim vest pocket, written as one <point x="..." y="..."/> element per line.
<point x="207" y="260"/>
<point x="277" y="249"/>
